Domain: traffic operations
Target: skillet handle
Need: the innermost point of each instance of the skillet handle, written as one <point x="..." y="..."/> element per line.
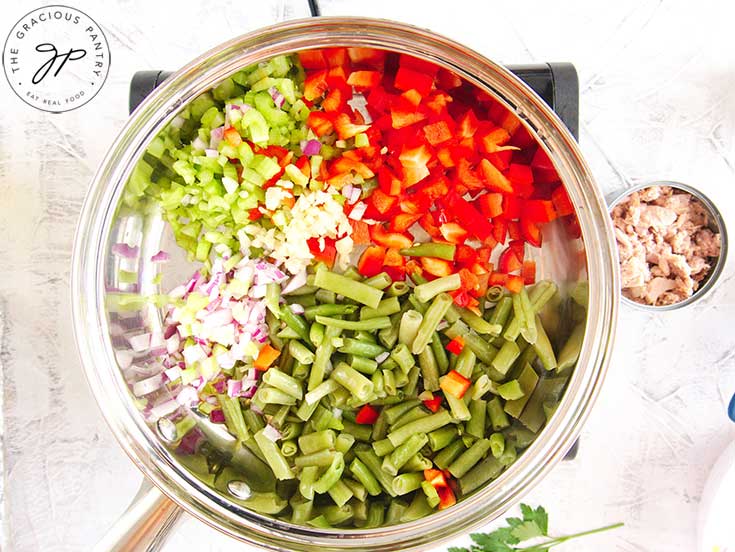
<point x="144" y="526"/>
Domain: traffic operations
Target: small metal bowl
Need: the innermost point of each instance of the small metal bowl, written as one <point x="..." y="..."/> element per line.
<point x="716" y="224"/>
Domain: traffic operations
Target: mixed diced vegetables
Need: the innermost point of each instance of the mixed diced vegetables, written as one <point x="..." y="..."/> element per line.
<point x="366" y="319"/>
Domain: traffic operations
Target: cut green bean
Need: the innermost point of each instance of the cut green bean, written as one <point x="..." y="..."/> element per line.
<point x="361" y="472"/>
<point x="395" y="512"/>
<point x="422" y="425"/>
<point x="418" y="508"/>
<point x="497" y="444"/>
<point x="344" y="442"/>
<point x="407" y="482"/>
<point x="301" y="510"/>
<point x="431" y="320"/>
<point x="363" y="364"/>
<point x="295" y="322"/>
<point x="440" y="438"/>
<point x="397" y="289"/>
<point x="431" y="249"/>
<point x="289" y="448"/>
<point x="414" y="414"/>
<point x="319" y="440"/>
<point x="539" y="296"/>
<point x="498" y="417"/>
<point x="482" y="349"/>
<point x="505" y="357"/>
<point x="479" y="324"/>
<point x="321" y="458"/>
<point x="457" y="407"/>
<point x="494" y="293"/>
<point x="569" y="353"/>
<point x="387" y="306"/>
<point x="354" y="381"/>
<point x="417" y="463"/>
<point x="393" y="413"/>
<point x="377" y="323"/>
<point x="271" y="395"/>
<point x="272" y="297"/>
<point x="429" y="369"/>
<point x="283" y="382"/>
<point x="359" y="492"/>
<point x="409" y="326"/>
<point x="306" y="481"/>
<point x="467" y="460"/>
<point x="340" y="493"/>
<point x="476" y="424"/>
<point x="358" y="431"/>
<point x="322" y="358"/>
<point x="355" y="347"/>
<point x="396" y="459"/>
<point x="379" y="281"/>
<point x="383" y="447"/>
<point x="332" y="475"/>
<point x="527" y="381"/>
<point x="357" y="291"/>
<point x="329" y="309"/>
<point x="440" y="354"/>
<point x="375" y="517"/>
<point x="449" y="454"/>
<point x="389" y="382"/>
<point x="543" y="348"/>
<point x="234" y="419"/>
<point x="322" y="390"/>
<point x="273" y="456"/>
<point x="374" y="465"/>
<point x="488" y="469"/>
<point x="510" y="390"/>
<point x="403" y="357"/>
<point x="465" y="362"/>
<point x="426" y="292"/>
<point x="432" y="497"/>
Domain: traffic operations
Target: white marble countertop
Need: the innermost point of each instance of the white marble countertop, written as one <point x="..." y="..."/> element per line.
<point x="657" y="81"/>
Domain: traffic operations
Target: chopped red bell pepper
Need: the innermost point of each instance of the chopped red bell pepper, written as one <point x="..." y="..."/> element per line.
<point x="369" y="57"/>
<point x="336" y="57"/>
<point x="389" y="182"/>
<point x="312" y="59"/>
<point x="497" y="279"/>
<point x="512" y="207"/>
<point x="467" y="125"/>
<point x="403" y="114"/>
<point x="326" y="255"/>
<point x="315" y="85"/>
<point x="465" y="255"/>
<point x="455" y="384"/>
<point x="436" y="478"/>
<point x="427" y="223"/>
<point x="514" y="230"/>
<point x="437" y="133"/>
<point x="444" y="155"/>
<point x="394" y="258"/>
<point x="320" y="123"/>
<point x="562" y="204"/>
<point x="500" y="229"/>
<point x="528" y="272"/>
<point x="508" y="261"/>
<point x="462" y="211"/>
<point x="433" y="403"/>
<point x="407" y="79"/>
<point x="335" y="100"/>
<point x="453" y="232"/>
<point x="232" y="136"/>
<point x="494" y="179"/>
<point x="346" y="128"/>
<point x="254" y="213"/>
<point x="436" y="267"/>
<point x="363" y="80"/>
<point x="382" y="201"/>
<point x="456" y="345"/>
<point x="514" y="283"/>
<point x="403" y="221"/>
<point x="501" y="159"/>
<point x="539" y="210"/>
<point x="491" y="204"/>
<point x="468" y="280"/>
<point x="395" y="240"/>
<point x="531" y="232"/>
<point x="367" y="415"/>
<point x="412" y="97"/>
<point x="492" y="140"/>
<point x="571" y="223"/>
<point x="446" y="497"/>
<point x="417" y="64"/>
<point x="518" y="247"/>
<point x="360" y="232"/>
<point x="467" y="176"/>
<point x="396" y="273"/>
<point x="371" y="261"/>
<point x="520" y="175"/>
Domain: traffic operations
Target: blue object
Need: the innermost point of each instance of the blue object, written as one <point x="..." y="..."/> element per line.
<point x="731" y="409"/>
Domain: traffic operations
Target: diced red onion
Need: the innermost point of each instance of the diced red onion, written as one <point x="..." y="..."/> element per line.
<point x="355" y="195"/>
<point x="178" y="121"/>
<point x="298" y="281"/>
<point x="188" y="396"/>
<point x="226" y="360"/>
<point x="173" y="373"/>
<point x="381" y="357"/>
<point x="257" y="292"/>
<point x="215" y="137"/>
<point x="234" y="387"/>
<point x="272" y="433"/>
<point x="266" y="273"/>
<point x="217" y="416"/>
<point x="211" y="153"/>
<point x="358" y="211"/>
<point x="217" y="318"/>
<point x="125" y="251"/>
<point x="347" y="190"/>
<point x="149" y="385"/>
<point x="442" y="325"/>
<point x="177" y="292"/>
<point x="190" y="442"/>
<point x="124" y="359"/>
<point x="252" y="374"/>
<point x="161" y="257"/>
<point x="211" y="399"/>
<point x="173" y="342"/>
<point x="158" y="351"/>
<point x="278" y="98"/>
<point x="140" y="342"/>
<point x="164" y="408"/>
<point x="220" y="386"/>
<point x="297" y="309"/>
<point x="193" y="282"/>
<point x="311" y="147"/>
<point x="254" y="407"/>
<point x="249" y="394"/>
<point x="193" y="354"/>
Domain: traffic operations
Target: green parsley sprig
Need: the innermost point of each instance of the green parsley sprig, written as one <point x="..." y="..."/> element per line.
<point x="534" y="525"/>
